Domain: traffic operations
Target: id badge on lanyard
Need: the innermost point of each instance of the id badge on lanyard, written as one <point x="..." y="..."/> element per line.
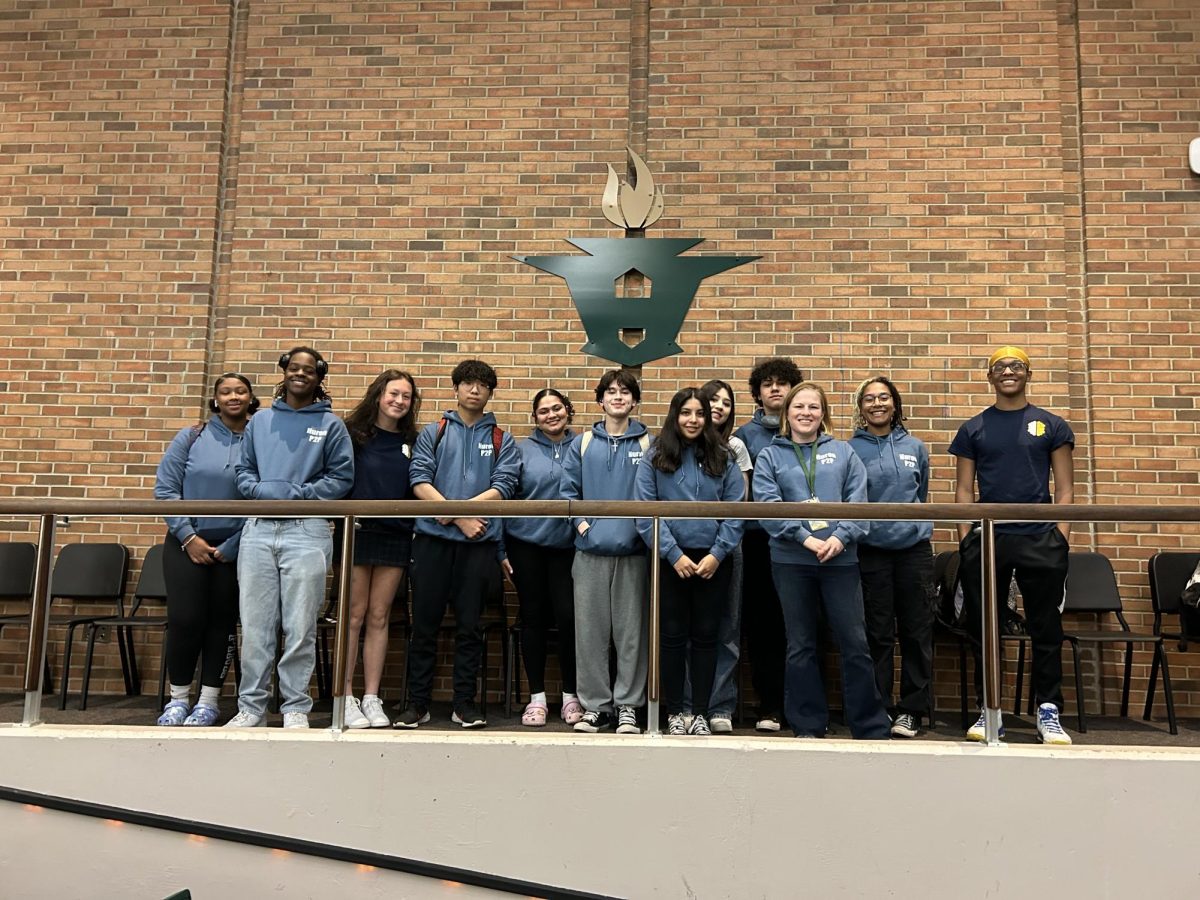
<point x="810" y="476"/>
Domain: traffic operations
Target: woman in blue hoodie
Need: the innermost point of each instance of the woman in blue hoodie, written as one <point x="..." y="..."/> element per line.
<point x="296" y="450"/>
<point x="690" y="461"/>
<point x="199" y="560"/>
<point x="538" y="558"/>
<point x="815" y="565"/>
<point x="895" y="559"/>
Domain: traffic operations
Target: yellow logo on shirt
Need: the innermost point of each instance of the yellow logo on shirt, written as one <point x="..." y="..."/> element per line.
<point x="1037" y="429"/>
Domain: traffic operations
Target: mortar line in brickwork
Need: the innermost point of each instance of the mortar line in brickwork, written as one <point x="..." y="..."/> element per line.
<point x="639" y="75"/>
<point x="227" y="173"/>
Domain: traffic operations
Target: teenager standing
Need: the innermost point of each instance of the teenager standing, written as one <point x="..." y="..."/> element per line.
<point x="1011" y="449"/>
<point x="296" y="450"/>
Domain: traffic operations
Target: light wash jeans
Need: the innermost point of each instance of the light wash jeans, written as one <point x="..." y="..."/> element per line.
<point x="729" y="648"/>
<point x="281" y="575"/>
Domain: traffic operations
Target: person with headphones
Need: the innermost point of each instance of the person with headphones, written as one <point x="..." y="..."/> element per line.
<point x="200" y="553"/>
<point x="296" y="450"/>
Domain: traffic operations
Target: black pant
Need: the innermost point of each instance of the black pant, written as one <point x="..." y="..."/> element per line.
<point x="1040" y="564"/>
<point x="546" y="593"/>
<point x="898" y="590"/>
<point x="762" y="617"/>
<point x="691" y="610"/>
<point x="464" y="575"/>
<point x="202" y="615"/>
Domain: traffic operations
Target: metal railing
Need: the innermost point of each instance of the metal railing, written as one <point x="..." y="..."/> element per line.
<point x="988" y="515"/>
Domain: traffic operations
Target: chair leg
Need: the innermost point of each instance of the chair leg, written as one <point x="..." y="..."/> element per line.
<point x="1078" y="687"/>
<point x="90" y="632"/>
<point x="47" y="677"/>
<point x="123" y="650"/>
<point x="66" y="675"/>
<point x="135" y="676"/>
<point x="1167" y="692"/>
<point x="1150" y="686"/>
<point x="1128" y="678"/>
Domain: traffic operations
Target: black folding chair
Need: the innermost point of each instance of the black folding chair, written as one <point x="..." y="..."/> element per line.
<point x="1092" y="588"/>
<point x="90" y="574"/>
<point x="151" y="587"/>
<point x="18" y="560"/>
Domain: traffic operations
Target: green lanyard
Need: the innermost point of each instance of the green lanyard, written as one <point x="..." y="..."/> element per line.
<point x="810" y="468"/>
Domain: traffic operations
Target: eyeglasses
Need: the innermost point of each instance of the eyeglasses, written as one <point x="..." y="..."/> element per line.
<point x="1018" y="368"/>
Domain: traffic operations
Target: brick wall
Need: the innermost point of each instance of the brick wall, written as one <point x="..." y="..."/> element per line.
<point x="923" y="181"/>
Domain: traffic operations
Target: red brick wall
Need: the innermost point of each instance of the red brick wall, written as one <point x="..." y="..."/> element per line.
<point x="923" y="182"/>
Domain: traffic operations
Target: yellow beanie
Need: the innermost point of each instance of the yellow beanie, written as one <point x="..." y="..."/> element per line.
<point x="1008" y="352"/>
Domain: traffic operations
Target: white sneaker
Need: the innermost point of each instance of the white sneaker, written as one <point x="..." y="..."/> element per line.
<point x="353" y="716"/>
<point x="1049" y="729"/>
<point x="767" y="723"/>
<point x="372" y="708"/>
<point x="246" y="720"/>
<point x="676" y="724"/>
<point x="295" y="720"/>
<point x="721" y="724"/>
<point x="978" y="731"/>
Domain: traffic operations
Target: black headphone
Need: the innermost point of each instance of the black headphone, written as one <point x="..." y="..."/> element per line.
<point x="322" y="366"/>
<point x="255" y="403"/>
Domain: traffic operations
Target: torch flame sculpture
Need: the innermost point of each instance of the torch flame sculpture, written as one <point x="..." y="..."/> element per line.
<point x="592" y="279"/>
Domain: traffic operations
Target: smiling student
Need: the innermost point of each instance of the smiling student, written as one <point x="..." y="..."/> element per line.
<point x="1011" y="449"/>
<point x="296" y="450"/>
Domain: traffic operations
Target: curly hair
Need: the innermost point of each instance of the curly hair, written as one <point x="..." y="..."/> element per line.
<point x="779" y="368"/>
<point x="897" y="403"/>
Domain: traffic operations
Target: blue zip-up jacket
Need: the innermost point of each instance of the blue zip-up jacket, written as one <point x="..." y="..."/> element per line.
<point x="296" y="454"/>
<point x="756" y="434"/>
<point x="840" y="478"/>
<point x="897" y="472"/>
<point x="203" y="472"/>
<point x="606" y="472"/>
<point x="691" y="482"/>
<point x="462" y="467"/>
<point x="541" y="479"/>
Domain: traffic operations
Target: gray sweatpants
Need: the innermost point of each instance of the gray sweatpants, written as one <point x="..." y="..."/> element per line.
<point x="611" y="607"/>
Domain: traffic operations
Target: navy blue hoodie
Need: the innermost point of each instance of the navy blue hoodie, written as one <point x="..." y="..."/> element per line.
<point x="897" y="472"/>
<point x="840" y="478"/>
<point x="606" y="471"/>
<point x="541" y="479"/>
<point x="462" y="467"/>
<point x="201" y="467"/>
<point x="296" y="454"/>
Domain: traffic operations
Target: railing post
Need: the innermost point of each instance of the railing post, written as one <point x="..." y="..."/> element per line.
<point x="39" y="623"/>
<point x="341" y="634"/>
<point x="653" y="674"/>
<point x="991" y="634"/>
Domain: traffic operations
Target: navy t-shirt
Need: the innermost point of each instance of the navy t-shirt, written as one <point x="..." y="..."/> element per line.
<point x="1011" y="450"/>
<point x="381" y="473"/>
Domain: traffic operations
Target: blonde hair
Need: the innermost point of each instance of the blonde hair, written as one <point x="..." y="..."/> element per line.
<point x="785" y="427"/>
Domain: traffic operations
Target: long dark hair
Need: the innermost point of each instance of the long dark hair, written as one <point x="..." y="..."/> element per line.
<point x="360" y="421"/>
<point x="710" y="388"/>
<point x="711" y="452"/>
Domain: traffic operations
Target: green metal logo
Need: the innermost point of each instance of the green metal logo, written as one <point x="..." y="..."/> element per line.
<point x="621" y="325"/>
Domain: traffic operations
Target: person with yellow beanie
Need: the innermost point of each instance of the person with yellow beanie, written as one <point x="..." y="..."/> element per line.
<point x="1011" y="449"/>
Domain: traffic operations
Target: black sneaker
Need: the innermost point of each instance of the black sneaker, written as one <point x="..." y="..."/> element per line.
<point x="593" y="722"/>
<point x="413" y="715"/>
<point x="467" y="716"/>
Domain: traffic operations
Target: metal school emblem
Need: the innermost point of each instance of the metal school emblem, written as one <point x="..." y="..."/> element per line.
<point x="624" y="325"/>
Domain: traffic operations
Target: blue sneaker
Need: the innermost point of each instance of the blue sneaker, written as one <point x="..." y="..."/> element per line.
<point x="202" y="716"/>
<point x="174" y="713"/>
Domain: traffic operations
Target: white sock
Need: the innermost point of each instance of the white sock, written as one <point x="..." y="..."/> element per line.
<point x="180" y="691"/>
<point x="209" y="696"/>
<point x="367" y="697"/>
<point x="538" y="698"/>
<point x="567" y="698"/>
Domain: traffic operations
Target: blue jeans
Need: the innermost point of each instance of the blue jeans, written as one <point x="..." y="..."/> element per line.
<point x="729" y="647"/>
<point x="281" y="574"/>
<point x="804" y="590"/>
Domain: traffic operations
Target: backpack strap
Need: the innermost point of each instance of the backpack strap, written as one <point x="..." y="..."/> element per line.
<point x="497" y="439"/>
<point x="193" y="436"/>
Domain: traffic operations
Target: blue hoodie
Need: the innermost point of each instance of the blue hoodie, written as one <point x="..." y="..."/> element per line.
<point x="607" y="473"/>
<point x="840" y="478"/>
<point x="541" y="479"/>
<point x="462" y="467"/>
<point x="897" y="472"/>
<point x="205" y="471"/>
<point x="756" y="434"/>
<point x="296" y="454"/>
<point x="690" y="482"/>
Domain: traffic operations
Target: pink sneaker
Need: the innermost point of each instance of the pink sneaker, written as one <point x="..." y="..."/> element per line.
<point x="572" y="712"/>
